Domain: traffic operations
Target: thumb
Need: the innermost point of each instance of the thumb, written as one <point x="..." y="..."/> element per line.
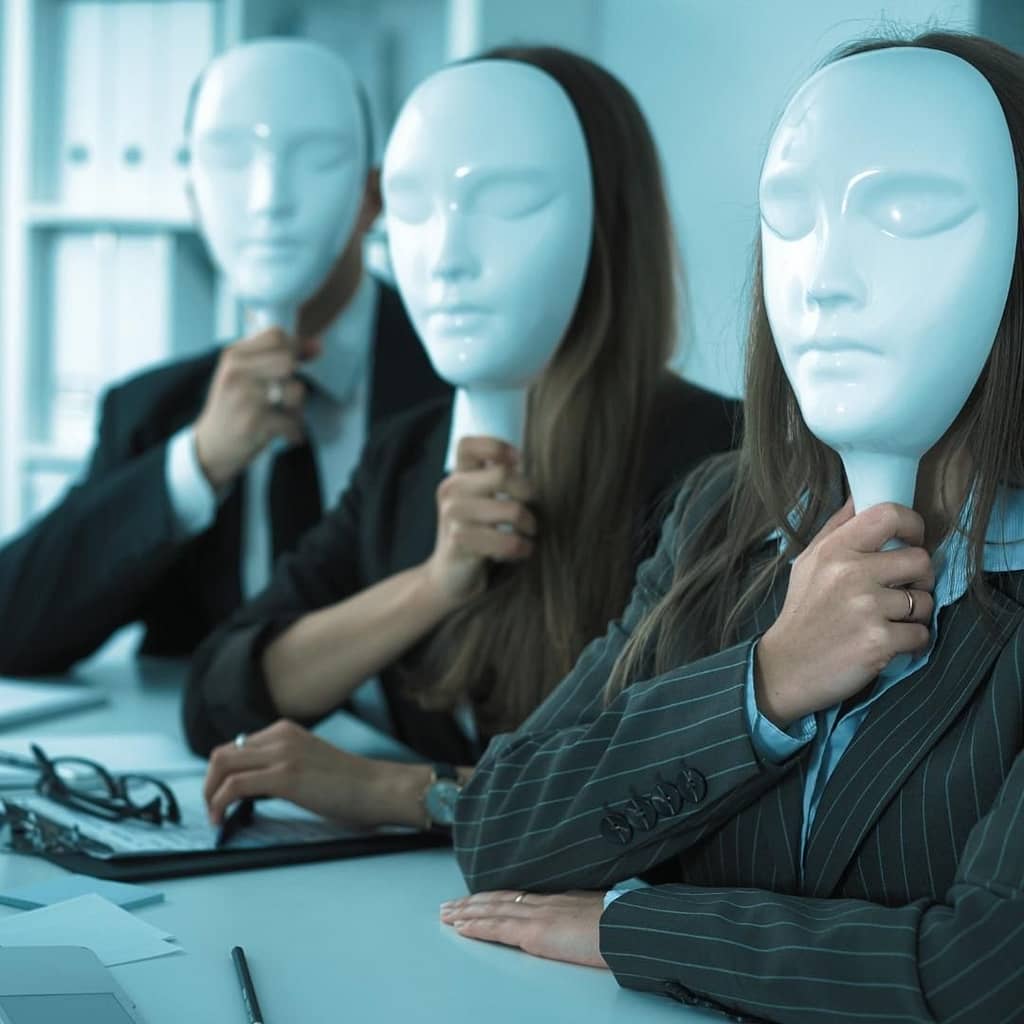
<point x="837" y="519"/>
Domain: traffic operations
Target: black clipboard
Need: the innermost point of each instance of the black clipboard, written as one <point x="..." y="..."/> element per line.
<point x="32" y="833"/>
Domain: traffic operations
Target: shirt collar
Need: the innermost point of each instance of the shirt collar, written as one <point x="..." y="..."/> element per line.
<point x="347" y="343"/>
<point x="1004" y="538"/>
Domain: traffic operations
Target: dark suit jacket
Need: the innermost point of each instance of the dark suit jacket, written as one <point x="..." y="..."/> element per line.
<point x="911" y="905"/>
<point x="386" y="522"/>
<point x="110" y="553"/>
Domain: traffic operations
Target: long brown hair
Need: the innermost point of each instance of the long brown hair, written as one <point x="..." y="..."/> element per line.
<point x="587" y="418"/>
<point x="781" y="461"/>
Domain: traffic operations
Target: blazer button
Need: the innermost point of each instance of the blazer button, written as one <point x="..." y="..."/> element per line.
<point x="667" y="799"/>
<point x="692" y="785"/>
<point x="616" y="828"/>
<point x="642" y="813"/>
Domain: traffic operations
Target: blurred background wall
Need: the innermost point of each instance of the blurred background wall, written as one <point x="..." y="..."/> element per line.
<point x="102" y="272"/>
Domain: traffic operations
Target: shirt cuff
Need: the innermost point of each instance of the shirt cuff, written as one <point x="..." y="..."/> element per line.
<point x="193" y="500"/>
<point x="621" y="888"/>
<point x="770" y="742"/>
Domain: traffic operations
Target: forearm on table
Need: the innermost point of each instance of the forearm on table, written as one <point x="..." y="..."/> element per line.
<point x="316" y="664"/>
<point x="395" y="797"/>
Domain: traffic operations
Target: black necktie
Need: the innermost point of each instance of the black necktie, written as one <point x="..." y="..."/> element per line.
<point x="294" y="495"/>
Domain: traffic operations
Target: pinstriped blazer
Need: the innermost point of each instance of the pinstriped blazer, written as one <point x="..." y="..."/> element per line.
<point x="910" y="907"/>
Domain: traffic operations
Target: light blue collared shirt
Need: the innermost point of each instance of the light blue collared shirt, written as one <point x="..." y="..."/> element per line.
<point x="831" y="735"/>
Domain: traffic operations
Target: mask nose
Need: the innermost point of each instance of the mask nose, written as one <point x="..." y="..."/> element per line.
<point x="270" y="193"/>
<point x="835" y="280"/>
<point x="454" y="259"/>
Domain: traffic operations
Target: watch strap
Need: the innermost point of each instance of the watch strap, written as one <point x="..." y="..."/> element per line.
<point x="438" y="771"/>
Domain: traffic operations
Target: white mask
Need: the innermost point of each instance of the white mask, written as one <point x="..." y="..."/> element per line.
<point x="489" y="206"/>
<point x="278" y="163"/>
<point x="889" y="226"/>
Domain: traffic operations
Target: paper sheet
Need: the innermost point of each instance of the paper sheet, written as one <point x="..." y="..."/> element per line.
<point x="68" y="886"/>
<point x="113" y="934"/>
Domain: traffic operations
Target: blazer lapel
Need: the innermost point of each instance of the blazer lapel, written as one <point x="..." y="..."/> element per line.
<point x="898" y="732"/>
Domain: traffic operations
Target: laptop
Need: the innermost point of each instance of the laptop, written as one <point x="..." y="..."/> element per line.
<point x="22" y="702"/>
<point x="60" y="985"/>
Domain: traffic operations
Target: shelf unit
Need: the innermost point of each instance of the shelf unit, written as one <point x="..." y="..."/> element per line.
<point x="103" y="272"/>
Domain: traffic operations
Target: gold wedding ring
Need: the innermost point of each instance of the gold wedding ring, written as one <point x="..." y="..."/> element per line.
<point x="910" y="606"/>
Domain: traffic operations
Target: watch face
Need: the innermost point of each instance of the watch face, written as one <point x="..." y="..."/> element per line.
<point x="440" y="801"/>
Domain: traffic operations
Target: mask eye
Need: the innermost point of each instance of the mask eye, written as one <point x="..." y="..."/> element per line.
<point x="323" y="153"/>
<point x="406" y="200"/>
<point x="225" y="151"/>
<point x="787" y="209"/>
<point x="512" y="199"/>
<point x="906" y="210"/>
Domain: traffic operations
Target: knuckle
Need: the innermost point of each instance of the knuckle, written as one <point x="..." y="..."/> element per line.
<point x="447" y="507"/>
<point x="877" y="644"/>
<point x="841" y="572"/>
<point x="920" y="562"/>
<point x="888" y="517"/>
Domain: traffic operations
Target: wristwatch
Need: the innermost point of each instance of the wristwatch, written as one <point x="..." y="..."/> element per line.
<point x="440" y="795"/>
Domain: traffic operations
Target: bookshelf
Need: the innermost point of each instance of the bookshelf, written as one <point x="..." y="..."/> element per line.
<point x="103" y="270"/>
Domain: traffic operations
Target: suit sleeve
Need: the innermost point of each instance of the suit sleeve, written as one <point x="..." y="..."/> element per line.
<point x="586" y="792"/>
<point x="799" y="960"/>
<point x="87" y="567"/>
<point x="227" y="690"/>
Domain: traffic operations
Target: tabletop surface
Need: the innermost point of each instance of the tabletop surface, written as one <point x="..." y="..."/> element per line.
<point x="350" y="940"/>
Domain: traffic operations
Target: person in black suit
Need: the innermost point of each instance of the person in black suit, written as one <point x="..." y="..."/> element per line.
<point x="163" y="527"/>
<point x="471" y="607"/>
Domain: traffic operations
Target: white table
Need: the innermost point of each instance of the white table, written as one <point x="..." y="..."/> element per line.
<point x="351" y="940"/>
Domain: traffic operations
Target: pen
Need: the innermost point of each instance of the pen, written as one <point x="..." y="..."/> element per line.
<point x="17" y="761"/>
<point x="237" y="818"/>
<point x="252" y="1004"/>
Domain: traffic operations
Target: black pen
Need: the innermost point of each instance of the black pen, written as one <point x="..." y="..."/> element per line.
<point x="252" y="1004"/>
<point x="237" y="818"/>
<point x="17" y="761"/>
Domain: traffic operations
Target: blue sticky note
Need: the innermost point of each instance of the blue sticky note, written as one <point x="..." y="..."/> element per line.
<point x="67" y="887"/>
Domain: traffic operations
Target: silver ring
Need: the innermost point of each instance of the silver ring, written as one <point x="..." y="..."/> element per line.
<point x="275" y="394"/>
<point x="519" y="898"/>
<point x="240" y="740"/>
<point x="910" y="606"/>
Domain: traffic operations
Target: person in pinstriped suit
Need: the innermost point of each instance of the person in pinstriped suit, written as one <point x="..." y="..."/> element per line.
<point x="819" y="835"/>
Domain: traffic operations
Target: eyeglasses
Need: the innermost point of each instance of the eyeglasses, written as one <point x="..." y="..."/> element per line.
<point x="86" y="786"/>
